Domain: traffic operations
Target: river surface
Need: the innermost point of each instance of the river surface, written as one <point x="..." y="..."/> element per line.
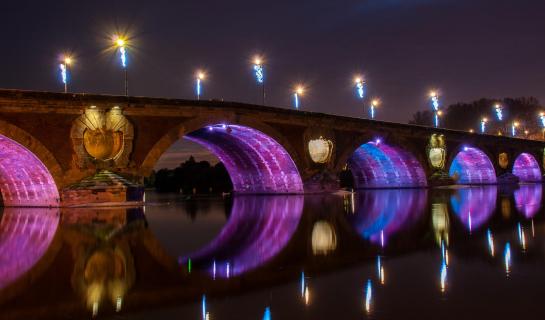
<point x="449" y="253"/>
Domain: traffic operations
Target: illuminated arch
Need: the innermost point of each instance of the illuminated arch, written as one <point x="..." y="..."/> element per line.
<point x="474" y="206"/>
<point x="526" y="168"/>
<point x="256" y="163"/>
<point x="472" y="166"/>
<point x="257" y="230"/>
<point x="25" y="236"/>
<point x="24" y="179"/>
<point x="378" y="165"/>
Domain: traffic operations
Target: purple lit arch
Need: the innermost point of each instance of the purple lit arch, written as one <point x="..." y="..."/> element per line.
<point x="24" y="179"/>
<point x="256" y="163"/>
<point x="526" y="168"/>
<point x="257" y="230"/>
<point x="378" y="165"/>
<point x="472" y="166"/>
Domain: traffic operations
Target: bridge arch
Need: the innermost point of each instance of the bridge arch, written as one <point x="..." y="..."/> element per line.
<point x="25" y="176"/>
<point x="527" y="168"/>
<point x="472" y="166"/>
<point x="257" y="162"/>
<point x="376" y="164"/>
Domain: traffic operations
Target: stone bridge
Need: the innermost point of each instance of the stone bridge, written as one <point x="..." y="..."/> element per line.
<point x="51" y="141"/>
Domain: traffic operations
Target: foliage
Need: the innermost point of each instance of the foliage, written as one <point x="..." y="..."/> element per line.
<point x="191" y="177"/>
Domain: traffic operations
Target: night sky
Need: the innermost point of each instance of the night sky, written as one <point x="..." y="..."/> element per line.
<point x="466" y="49"/>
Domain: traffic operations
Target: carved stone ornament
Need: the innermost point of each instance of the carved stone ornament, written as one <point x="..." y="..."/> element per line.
<point x="503" y="160"/>
<point x="102" y="136"/>
<point x="320" y="150"/>
<point x="437" y="152"/>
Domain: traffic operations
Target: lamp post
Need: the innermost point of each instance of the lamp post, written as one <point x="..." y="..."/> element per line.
<point x="65" y="71"/>
<point x="121" y="45"/>
<point x="434" y="100"/>
<point x="259" y="70"/>
<point x="198" y="83"/>
<point x="372" y="110"/>
<point x="360" y="90"/>
<point x="483" y="125"/>
<point x="514" y="127"/>
<point x="298" y="92"/>
<point x="542" y="120"/>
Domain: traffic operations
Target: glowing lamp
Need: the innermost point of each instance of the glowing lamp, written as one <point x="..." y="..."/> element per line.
<point x="299" y="91"/>
<point x="499" y="111"/>
<point x="374" y="105"/>
<point x="198" y="83"/>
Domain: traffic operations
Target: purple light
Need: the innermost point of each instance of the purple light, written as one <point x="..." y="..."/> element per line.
<point x="256" y="163"/>
<point x="381" y="213"/>
<point x="474" y="206"/>
<point x="528" y="199"/>
<point x="472" y="166"/>
<point x="378" y="165"/>
<point x="527" y="168"/>
<point x="257" y="230"/>
<point x="24" y="180"/>
<point x="25" y="236"/>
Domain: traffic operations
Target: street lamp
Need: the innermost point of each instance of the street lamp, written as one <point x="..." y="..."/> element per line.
<point x="360" y="89"/>
<point x="198" y="85"/>
<point x="259" y="70"/>
<point x="499" y="111"/>
<point x="299" y="91"/>
<point x="542" y="120"/>
<point x="65" y="72"/>
<point x="434" y="100"/>
<point x="121" y="45"/>
<point x="514" y="127"/>
<point x="483" y="125"/>
<point x="374" y="104"/>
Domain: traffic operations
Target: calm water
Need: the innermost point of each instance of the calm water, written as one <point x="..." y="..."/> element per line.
<point x="457" y="253"/>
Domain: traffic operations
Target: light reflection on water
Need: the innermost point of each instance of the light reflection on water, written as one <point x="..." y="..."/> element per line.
<point x="259" y="256"/>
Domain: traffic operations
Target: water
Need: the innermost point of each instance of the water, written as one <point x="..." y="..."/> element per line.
<point x="384" y="254"/>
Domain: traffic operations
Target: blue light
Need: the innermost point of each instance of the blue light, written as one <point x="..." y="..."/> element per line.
<point x="372" y="111"/>
<point x="443" y="276"/>
<point x="435" y="102"/>
<point x="360" y="88"/>
<point x="379" y="266"/>
<point x="296" y="100"/>
<point x="123" y="56"/>
<point x="483" y="125"/>
<point x="507" y="257"/>
<point x="302" y="284"/>
<point x="64" y="73"/>
<point x="368" y="296"/>
<point x="259" y="73"/>
<point x="499" y="112"/>
<point x="267" y="314"/>
<point x="513" y="130"/>
<point x="436" y="121"/>
<point x="198" y="88"/>
<point x="203" y="307"/>
<point x="490" y="242"/>
<point x="542" y="119"/>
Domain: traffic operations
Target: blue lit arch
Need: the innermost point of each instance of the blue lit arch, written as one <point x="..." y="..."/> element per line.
<point x="472" y="166"/>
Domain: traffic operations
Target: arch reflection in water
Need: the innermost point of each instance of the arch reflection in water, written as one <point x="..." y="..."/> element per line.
<point x="528" y="199"/>
<point x="25" y="236"/>
<point x="381" y="213"/>
<point x="257" y="230"/>
<point x="474" y="206"/>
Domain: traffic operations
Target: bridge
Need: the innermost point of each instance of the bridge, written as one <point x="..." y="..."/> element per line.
<point x="52" y="146"/>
